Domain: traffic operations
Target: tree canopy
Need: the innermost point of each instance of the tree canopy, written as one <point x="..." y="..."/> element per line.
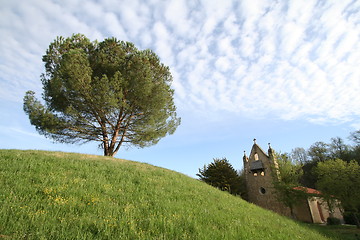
<point x="324" y="169"/>
<point x="341" y="180"/>
<point x="108" y="91"/>
<point x="286" y="180"/>
<point x="221" y="174"/>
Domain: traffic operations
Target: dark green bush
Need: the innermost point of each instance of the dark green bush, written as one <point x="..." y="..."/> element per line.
<point x="333" y="221"/>
<point x="349" y="218"/>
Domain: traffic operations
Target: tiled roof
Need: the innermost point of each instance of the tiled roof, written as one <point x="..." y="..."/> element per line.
<point x="308" y="190"/>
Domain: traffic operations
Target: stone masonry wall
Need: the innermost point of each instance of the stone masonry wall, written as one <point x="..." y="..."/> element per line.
<point x="259" y="182"/>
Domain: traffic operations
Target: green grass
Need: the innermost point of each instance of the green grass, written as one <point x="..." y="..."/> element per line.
<point x="343" y="232"/>
<point x="53" y="195"/>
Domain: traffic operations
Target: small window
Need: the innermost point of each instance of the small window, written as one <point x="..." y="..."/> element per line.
<point x="262" y="173"/>
<point x="255" y="174"/>
<point x="262" y="190"/>
<point x="256" y="156"/>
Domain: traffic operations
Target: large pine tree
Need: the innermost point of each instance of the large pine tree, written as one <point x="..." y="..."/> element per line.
<point x="107" y="91"/>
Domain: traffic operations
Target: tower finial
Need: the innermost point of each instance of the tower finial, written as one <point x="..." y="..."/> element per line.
<point x="254" y="140"/>
<point x="245" y="158"/>
<point x="270" y="151"/>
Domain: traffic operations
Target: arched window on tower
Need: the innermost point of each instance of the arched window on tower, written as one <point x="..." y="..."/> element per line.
<point x="256" y="156"/>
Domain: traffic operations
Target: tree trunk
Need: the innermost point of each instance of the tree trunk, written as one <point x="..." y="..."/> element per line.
<point x="106" y="149"/>
<point x="108" y="153"/>
<point x="111" y="154"/>
<point x="293" y="216"/>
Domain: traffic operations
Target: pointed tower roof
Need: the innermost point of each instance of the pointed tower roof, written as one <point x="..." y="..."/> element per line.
<point x="256" y="148"/>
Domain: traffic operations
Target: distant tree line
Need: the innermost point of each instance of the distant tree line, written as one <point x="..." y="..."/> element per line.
<point x="322" y="152"/>
<point x="334" y="169"/>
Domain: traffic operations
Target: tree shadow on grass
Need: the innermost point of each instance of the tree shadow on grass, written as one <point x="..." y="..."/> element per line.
<point x="337" y="232"/>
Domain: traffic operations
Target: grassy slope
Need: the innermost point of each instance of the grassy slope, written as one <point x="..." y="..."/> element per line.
<point x="54" y="195"/>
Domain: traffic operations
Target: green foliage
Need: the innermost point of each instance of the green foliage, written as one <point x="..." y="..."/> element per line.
<point x="286" y="181"/>
<point x="109" y="92"/>
<point x="342" y="180"/>
<point x="318" y="152"/>
<point x="350" y="217"/>
<point x="333" y="221"/>
<point x="52" y="195"/>
<point x="221" y="174"/>
<point x="299" y="155"/>
<point x="339" y="150"/>
<point x="309" y="178"/>
<point x="355" y="136"/>
<point x="321" y="152"/>
<point x="355" y="150"/>
<point x="289" y="172"/>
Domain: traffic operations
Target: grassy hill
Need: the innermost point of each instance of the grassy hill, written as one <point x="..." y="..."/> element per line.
<point x="53" y="195"/>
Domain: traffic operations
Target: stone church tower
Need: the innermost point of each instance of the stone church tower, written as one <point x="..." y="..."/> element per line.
<point x="259" y="170"/>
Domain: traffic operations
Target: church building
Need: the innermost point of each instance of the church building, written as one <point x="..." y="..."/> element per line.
<point x="258" y="167"/>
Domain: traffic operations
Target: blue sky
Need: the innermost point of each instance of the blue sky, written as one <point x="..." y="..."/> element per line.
<point x="284" y="72"/>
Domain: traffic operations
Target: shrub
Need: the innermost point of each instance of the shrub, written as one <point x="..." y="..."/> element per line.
<point x="349" y="218"/>
<point x="333" y="221"/>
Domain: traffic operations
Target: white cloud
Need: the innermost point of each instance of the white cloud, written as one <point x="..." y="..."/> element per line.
<point x="176" y="15"/>
<point x="223" y="64"/>
<point x="291" y="37"/>
<point x="113" y="26"/>
<point x="288" y="60"/>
